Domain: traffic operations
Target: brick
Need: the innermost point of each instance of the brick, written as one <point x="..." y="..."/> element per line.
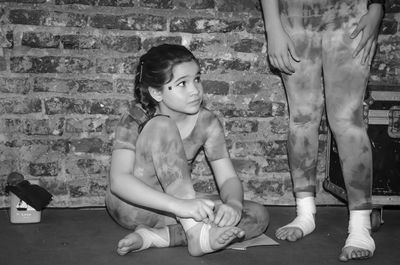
<point x="270" y="188"/>
<point x="205" y="25"/>
<point x="45" y="84"/>
<point x="388" y="27"/>
<point x="152" y="42"/>
<point x="44" y="169"/>
<point x="116" y="3"/>
<point x="59" y="105"/>
<point x="241" y="126"/>
<point x="222" y="64"/>
<point x="44" y="127"/>
<point x="248" y="46"/>
<point x="90" y="145"/>
<point x="79" y="125"/>
<point x="126" y="65"/>
<point x="246" y="166"/>
<point x="40" y="40"/>
<point x="142" y="22"/>
<point x="88" y="166"/>
<point x="261" y="148"/>
<point x="47" y="18"/>
<point x="195" y="4"/>
<point x="164" y="4"/>
<point x="98" y="187"/>
<point x="50" y="64"/>
<point x="18" y="106"/>
<point x="279" y="126"/>
<point x="392" y="6"/>
<point x="215" y="87"/>
<point x="11" y="126"/>
<point x="55" y="187"/>
<point x="15" y="85"/>
<point x="109" y="107"/>
<point x="110" y="124"/>
<point x="205" y="186"/>
<point x="256" y="25"/>
<point x="260" y="108"/>
<point x="246" y="87"/>
<point x="122" y="43"/>
<point x="94" y="86"/>
<point x="6" y="39"/>
<point x="3" y="63"/>
<point x="238" y="5"/>
<point x="125" y="86"/>
<point x="276" y="165"/>
<point x="204" y="45"/>
<point x="80" y="42"/>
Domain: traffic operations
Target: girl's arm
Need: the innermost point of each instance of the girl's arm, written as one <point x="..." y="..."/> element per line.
<point x="281" y="51"/>
<point x="131" y="189"/>
<point x="231" y="193"/>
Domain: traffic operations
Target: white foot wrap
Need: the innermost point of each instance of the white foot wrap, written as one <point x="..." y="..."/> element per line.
<point x="152" y="239"/>
<point x="306" y="210"/>
<point x="205" y="238"/>
<point x="359" y="231"/>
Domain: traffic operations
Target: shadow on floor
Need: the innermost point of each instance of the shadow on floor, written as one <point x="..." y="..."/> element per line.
<point x="89" y="237"/>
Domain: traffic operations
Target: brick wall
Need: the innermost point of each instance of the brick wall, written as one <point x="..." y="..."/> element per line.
<point x="66" y="74"/>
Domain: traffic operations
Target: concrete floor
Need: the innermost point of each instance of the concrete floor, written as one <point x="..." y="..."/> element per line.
<point x="89" y="236"/>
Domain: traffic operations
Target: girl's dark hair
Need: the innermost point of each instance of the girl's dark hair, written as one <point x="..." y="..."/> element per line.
<point x="155" y="70"/>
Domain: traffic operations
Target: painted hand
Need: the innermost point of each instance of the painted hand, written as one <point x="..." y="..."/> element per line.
<point x="281" y="51"/>
<point x="369" y="26"/>
<point x="227" y="215"/>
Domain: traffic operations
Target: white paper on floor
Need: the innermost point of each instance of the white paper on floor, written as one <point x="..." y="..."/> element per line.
<point x="261" y="240"/>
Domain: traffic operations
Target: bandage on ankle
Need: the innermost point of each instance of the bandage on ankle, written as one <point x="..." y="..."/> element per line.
<point x="204" y="237"/>
<point x="359" y="230"/>
<point x="305" y="208"/>
<point x="152" y="239"/>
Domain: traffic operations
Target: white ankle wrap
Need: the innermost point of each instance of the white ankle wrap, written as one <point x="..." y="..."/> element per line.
<point x="305" y="208"/>
<point x="359" y="231"/>
<point x="187" y="223"/>
<point x="205" y="238"/>
<point x="152" y="239"/>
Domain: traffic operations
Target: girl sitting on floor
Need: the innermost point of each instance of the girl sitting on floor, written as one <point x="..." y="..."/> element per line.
<point x="150" y="189"/>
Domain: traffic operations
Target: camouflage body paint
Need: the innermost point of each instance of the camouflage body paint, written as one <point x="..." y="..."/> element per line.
<point x="327" y="76"/>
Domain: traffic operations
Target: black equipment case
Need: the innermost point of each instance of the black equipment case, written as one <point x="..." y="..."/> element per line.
<point x="382" y="114"/>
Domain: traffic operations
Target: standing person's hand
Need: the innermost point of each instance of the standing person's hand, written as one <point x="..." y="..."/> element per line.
<point x="281" y="51"/>
<point x="369" y="26"/>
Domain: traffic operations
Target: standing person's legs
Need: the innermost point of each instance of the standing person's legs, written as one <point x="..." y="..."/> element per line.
<point x="305" y="99"/>
<point x="345" y="84"/>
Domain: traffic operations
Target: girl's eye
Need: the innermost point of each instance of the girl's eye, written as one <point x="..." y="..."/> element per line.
<point x="197" y="79"/>
<point x="182" y="84"/>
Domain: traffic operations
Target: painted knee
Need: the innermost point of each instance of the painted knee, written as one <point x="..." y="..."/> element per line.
<point x="255" y="219"/>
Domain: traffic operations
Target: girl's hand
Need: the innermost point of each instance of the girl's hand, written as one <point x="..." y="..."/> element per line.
<point x="281" y="51"/>
<point x="201" y="210"/>
<point x="369" y="25"/>
<point x="228" y="215"/>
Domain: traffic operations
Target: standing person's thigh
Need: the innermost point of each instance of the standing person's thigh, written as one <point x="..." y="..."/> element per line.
<point x="304" y="87"/>
<point x="345" y="78"/>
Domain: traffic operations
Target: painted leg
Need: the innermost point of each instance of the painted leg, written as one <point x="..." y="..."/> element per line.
<point x="346" y="82"/>
<point x="170" y="162"/>
<point x="304" y="223"/>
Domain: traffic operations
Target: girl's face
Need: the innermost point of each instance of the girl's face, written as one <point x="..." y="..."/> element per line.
<point x="184" y="93"/>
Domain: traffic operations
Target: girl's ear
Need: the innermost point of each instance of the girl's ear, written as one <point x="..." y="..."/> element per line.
<point x="156" y="94"/>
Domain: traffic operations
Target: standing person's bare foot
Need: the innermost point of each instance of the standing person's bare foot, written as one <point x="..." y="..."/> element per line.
<point x="303" y="224"/>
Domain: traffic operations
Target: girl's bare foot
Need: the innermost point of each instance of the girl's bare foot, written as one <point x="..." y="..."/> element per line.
<point x="206" y="238"/>
<point x="142" y="238"/>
